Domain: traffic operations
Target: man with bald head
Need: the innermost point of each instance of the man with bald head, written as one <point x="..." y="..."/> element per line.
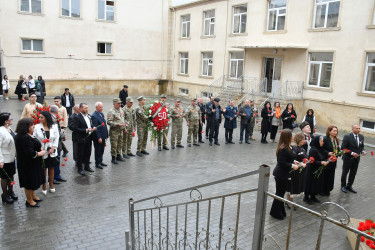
<point x="355" y="143"/>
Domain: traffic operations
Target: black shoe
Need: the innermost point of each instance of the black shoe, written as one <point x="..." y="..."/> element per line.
<point x="165" y="148"/>
<point x="40" y="200"/>
<point x="350" y="189"/>
<point x="247" y="142"/>
<point x="216" y="143"/>
<point x="114" y="161"/>
<point x="159" y="148"/>
<point x="210" y="143"/>
<point x="265" y="141"/>
<point x="240" y="142"/>
<point x="196" y="144"/>
<point x="64" y="154"/>
<point x="126" y="156"/>
<point x="173" y="147"/>
<point x="131" y="154"/>
<point x="201" y="141"/>
<point x="88" y="169"/>
<point x="29" y="205"/>
<point x="145" y="152"/>
<point x="56" y="182"/>
<point x="60" y="179"/>
<point x="119" y="158"/>
<point x="103" y="164"/>
<point x="344" y="189"/>
<point x="314" y="199"/>
<point x="6" y="199"/>
<point x="189" y="145"/>
<point x="81" y="172"/>
<point x="13" y="195"/>
<point x="179" y="146"/>
<point x="226" y="142"/>
<point x="307" y="200"/>
<point x="139" y="154"/>
<point x="231" y="142"/>
<point x="323" y="194"/>
<point x="206" y="137"/>
<point x="98" y="166"/>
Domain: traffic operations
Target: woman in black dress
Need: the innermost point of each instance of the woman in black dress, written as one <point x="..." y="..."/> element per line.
<point x="332" y="147"/>
<point x="313" y="184"/>
<point x="285" y="163"/>
<point x="29" y="161"/>
<point x="266" y="122"/>
<point x="289" y="116"/>
<point x="21" y="88"/>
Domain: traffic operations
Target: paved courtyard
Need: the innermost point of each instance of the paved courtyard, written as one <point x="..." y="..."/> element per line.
<point x="92" y="212"/>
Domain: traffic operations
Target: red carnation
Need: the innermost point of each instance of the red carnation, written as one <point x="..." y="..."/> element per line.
<point x="63" y="165"/>
<point x="311" y="159"/>
<point x="373" y="225"/>
<point x="103" y="124"/>
<point x="269" y="111"/>
<point x="31" y="115"/>
<point x="363" y="238"/>
<point x="237" y="113"/>
<point x="66" y="159"/>
<point x="368" y="242"/>
<point x="12" y="183"/>
<point x="372" y="152"/>
<point x="133" y="134"/>
<point x="372" y="246"/>
<point x="62" y="119"/>
<point x="292" y="116"/>
<point x="304" y="160"/>
<point x="256" y="113"/>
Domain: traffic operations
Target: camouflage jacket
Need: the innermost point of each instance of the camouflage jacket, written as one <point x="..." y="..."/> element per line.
<point x="115" y="118"/>
<point x="130" y="117"/>
<point x="193" y="114"/>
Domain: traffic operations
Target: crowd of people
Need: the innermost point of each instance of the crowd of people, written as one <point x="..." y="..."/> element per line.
<point x="38" y="143"/>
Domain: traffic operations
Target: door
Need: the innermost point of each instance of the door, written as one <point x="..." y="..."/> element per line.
<point x="272" y="73"/>
<point x="2" y="72"/>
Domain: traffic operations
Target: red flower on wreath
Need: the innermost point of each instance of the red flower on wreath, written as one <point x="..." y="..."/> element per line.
<point x="133" y="134"/>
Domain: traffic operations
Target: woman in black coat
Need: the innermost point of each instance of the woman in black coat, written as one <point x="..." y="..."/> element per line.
<point x="289" y="116"/>
<point x="313" y="184"/>
<point x="332" y="147"/>
<point x="29" y="161"/>
<point x="285" y="163"/>
<point x="266" y="122"/>
<point x="298" y="177"/>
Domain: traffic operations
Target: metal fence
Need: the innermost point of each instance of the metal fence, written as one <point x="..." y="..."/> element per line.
<point x="185" y="219"/>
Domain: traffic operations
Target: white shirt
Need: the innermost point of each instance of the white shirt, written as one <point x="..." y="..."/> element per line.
<point x="31" y="84"/>
<point x="5" y="84"/>
<point x="67" y="101"/>
<point x="87" y="120"/>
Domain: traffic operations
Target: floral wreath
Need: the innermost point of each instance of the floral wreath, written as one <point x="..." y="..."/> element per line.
<point x="158" y="119"/>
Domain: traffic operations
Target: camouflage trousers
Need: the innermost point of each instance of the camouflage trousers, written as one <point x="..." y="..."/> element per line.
<point x="176" y="133"/>
<point x="115" y="137"/>
<point x="252" y="124"/>
<point x="142" y="138"/>
<point x="193" y="131"/>
<point x="160" y="139"/>
<point x="127" y="142"/>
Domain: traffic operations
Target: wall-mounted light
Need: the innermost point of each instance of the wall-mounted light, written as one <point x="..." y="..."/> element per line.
<point x="275" y="51"/>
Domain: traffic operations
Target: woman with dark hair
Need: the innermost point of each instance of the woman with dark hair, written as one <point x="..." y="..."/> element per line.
<point x="332" y="147"/>
<point x="29" y="161"/>
<point x="41" y="90"/>
<point x="266" y="121"/>
<point x="276" y="120"/>
<point x="310" y="118"/>
<point x="313" y="183"/>
<point x="285" y="163"/>
<point x="31" y="84"/>
<point x="7" y="158"/>
<point x="21" y="88"/>
<point x="6" y="87"/>
<point x="288" y="117"/>
<point x="48" y="135"/>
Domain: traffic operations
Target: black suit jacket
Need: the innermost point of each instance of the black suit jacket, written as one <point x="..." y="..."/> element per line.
<point x="79" y="127"/>
<point x="97" y="121"/>
<point x="211" y="116"/>
<point x="285" y="160"/>
<point x="245" y="119"/>
<point x="123" y="95"/>
<point x="349" y="143"/>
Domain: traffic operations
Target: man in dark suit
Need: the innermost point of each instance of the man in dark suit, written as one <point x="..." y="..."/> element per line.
<point x="246" y="114"/>
<point x="100" y="135"/>
<point x="123" y="95"/>
<point x="70" y="123"/>
<point x="215" y="113"/>
<point x="82" y="134"/>
<point x="203" y="115"/>
<point x="355" y="143"/>
<point x="208" y="118"/>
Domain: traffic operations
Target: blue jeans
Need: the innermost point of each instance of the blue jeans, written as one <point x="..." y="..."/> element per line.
<point x="246" y="128"/>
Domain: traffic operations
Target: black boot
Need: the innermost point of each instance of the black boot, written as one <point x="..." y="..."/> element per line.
<point x="114" y="161"/>
<point x="119" y="158"/>
<point x="12" y="195"/>
<point x="6" y="198"/>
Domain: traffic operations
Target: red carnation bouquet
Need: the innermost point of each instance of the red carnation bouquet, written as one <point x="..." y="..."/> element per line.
<point x="159" y="120"/>
<point x="306" y="161"/>
<point x="36" y="113"/>
<point x="318" y="172"/>
<point x="342" y="152"/>
<point x="368" y="227"/>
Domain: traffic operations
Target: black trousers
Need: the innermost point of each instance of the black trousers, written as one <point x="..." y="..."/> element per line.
<point x="246" y="128"/>
<point x="278" y="209"/>
<point x="349" y="166"/>
<point x="84" y="153"/>
<point x="64" y="147"/>
<point x="99" y="151"/>
<point x="208" y="126"/>
<point x="75" y="151"/>
<point x="69" y="111"/>
<point x="273" y="132"/>
<point x="200" y="132"/>
<point x="228" y="135"/>
<point x="214" y="131"/>
<point x="329" y="177"/>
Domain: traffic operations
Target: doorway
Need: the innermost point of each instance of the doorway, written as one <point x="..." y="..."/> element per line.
<point x="272" y="73"/>
<point x="2" y="72"/>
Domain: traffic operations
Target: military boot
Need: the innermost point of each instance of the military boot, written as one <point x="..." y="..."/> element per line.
<point x="114" y="161"/>
<point x="119" y="158"/>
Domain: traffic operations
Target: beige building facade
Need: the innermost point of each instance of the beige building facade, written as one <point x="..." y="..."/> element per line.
<point x="320" y="52"/>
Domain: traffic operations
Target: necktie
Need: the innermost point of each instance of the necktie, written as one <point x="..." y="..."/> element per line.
<point x="356" y="139"/>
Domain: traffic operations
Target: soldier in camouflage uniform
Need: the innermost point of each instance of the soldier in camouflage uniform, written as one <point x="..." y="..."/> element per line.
<point x="116" y="122"/>
<point x="128" y="132"/>
<point x="141" y="119"/>
<point x="193" y="118"/>
<point x="177" y="116"/>
<point x="163" y="98"/>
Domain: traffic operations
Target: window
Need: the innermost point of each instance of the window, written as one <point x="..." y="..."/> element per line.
<point x="184" y="91"/>
<point x="368" y="125"/>
<point x="105" y="48"/>
<point x="184" y="63"/>
<point x="31" y="6"/>
<point x="239" y="19"/>
<point x="32" y="45"/>
<point x="326" y="13"/>
<point x="236" y="64"/>
<point x="207" y="63"/>
<point x="320" y="67"/>
<point x="276" y="15"/>
<point x="185" y="26"/>
<point x="206" y="94"/>
<point x="209" y="23"/>
<point x="369" y="84"/>
<point x="106" y="10"/>
<point x="70" y="8"/>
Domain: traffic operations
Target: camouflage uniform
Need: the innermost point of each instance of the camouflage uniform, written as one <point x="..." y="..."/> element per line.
<point x="165" y="131"/>
<point x="115" y="118"/>
<point x="128" y="136"/>
<point x="142" y="132"/>
<point x="193" y="115"/>
<point x="177" y="125"/>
